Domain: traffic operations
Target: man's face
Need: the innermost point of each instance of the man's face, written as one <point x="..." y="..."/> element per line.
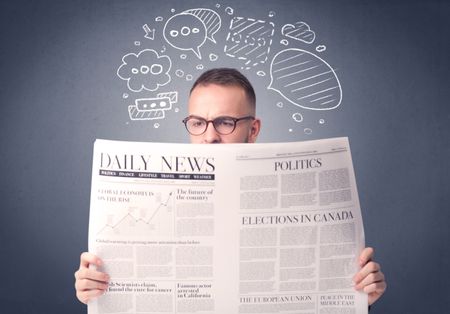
<point x="212" y="101"/>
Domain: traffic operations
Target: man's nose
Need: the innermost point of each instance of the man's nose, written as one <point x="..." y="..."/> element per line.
<point x="211" y="136"/>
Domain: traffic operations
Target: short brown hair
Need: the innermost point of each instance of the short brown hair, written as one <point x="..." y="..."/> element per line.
<point x="227" y="77"/>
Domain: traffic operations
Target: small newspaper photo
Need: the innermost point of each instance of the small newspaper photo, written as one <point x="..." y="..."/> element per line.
<point x="228" y="229"/>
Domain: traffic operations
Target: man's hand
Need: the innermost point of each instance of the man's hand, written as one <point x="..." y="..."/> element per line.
<point x="369" y="279"/>
<point x="90" y="283"/>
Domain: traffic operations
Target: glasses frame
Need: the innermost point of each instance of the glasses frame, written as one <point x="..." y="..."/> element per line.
<point x="235" y="120"/>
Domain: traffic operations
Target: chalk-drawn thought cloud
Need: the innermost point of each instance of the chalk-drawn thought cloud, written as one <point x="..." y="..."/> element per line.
<point x="145" y="70"/>
<point x="305" y="80"/>
<point x="190" y="29"/>
<point x="299" y="31"/>
<point x="249" y="40"/>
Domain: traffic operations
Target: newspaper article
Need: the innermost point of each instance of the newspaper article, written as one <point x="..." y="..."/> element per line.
<point x="235" y="228"/>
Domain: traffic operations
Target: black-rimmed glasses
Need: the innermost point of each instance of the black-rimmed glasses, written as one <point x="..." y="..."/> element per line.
<point x="223" y="125"/>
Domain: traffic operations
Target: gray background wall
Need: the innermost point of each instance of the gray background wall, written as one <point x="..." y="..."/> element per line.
<point x="59" y="91"/>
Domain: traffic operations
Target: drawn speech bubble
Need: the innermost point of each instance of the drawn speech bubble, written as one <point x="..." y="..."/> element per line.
<point x="185" y="31"/>
<point x="210" y="19"/>
<point x="305" y="80"/>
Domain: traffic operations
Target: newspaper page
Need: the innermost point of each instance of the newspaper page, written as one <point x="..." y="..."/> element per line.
<point x="235" y="228"/>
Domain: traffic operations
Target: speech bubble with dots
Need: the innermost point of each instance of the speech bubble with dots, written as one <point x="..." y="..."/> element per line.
<point x="185" y="31"/>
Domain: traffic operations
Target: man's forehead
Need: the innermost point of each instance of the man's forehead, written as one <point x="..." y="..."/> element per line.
<point x="215" y="88"/>
<point x="219" y="99"/>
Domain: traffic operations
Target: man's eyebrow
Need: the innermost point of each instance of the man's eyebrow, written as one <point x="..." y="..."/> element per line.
<point x="195" y="116"/>
<point x="217" y="117"/>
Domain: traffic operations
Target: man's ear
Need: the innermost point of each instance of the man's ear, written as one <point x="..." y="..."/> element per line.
<point x="254" y="130"/>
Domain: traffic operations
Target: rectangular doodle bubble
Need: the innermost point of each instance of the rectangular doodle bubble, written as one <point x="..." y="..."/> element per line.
<point x="250" y="40"/>
<point x="173" y="96"/>
<point x="149" y="104"/>
<point x="136" y="114"/>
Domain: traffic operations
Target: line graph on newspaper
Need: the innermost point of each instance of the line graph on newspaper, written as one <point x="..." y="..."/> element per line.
<point x="142" y="221"/>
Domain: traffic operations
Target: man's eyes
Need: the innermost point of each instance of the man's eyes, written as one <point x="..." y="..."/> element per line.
<point x="198" y="123"/>
<point x="225" y="122"/>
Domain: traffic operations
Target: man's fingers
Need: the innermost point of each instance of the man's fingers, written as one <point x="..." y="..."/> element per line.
<point x="366" y="256"/>
<point x="91" y="274"/>
<point x="370" y="267"/>
<point x="87" y="258"/>
<point x="86" y="296"/>
<point x="371" y="278"/>
<point x="377" y="287"/>
<point x="87" y="284"/>
<point x="375" y="291"/>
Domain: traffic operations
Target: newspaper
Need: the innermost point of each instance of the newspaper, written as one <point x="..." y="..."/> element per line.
<point x="235" y="228"/>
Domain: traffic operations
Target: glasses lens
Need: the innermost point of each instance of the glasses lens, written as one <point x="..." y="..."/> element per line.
<point x="224" y="125"/>
<point x="195" y="126"/>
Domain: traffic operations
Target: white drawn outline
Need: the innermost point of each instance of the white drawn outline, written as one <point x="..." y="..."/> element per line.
<point x="152" y="108"/>
<point x="297" y="116"/>
<point x="296" y="104"/>
<point x="149" y="33"/>
<point x="212" y="25"/>
<point x="196" y="51"/>
<point x="300" y="31"/>
<point x="321" y="48"/>
<point x="210" y="20"/>
<point x="261" y="73"/>
<point x="124" y="63"/>
<point x="213" y="57"/>
<point x="243" y="43"/>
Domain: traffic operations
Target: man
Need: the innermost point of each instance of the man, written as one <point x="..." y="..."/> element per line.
<point x="222" y="107"/>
